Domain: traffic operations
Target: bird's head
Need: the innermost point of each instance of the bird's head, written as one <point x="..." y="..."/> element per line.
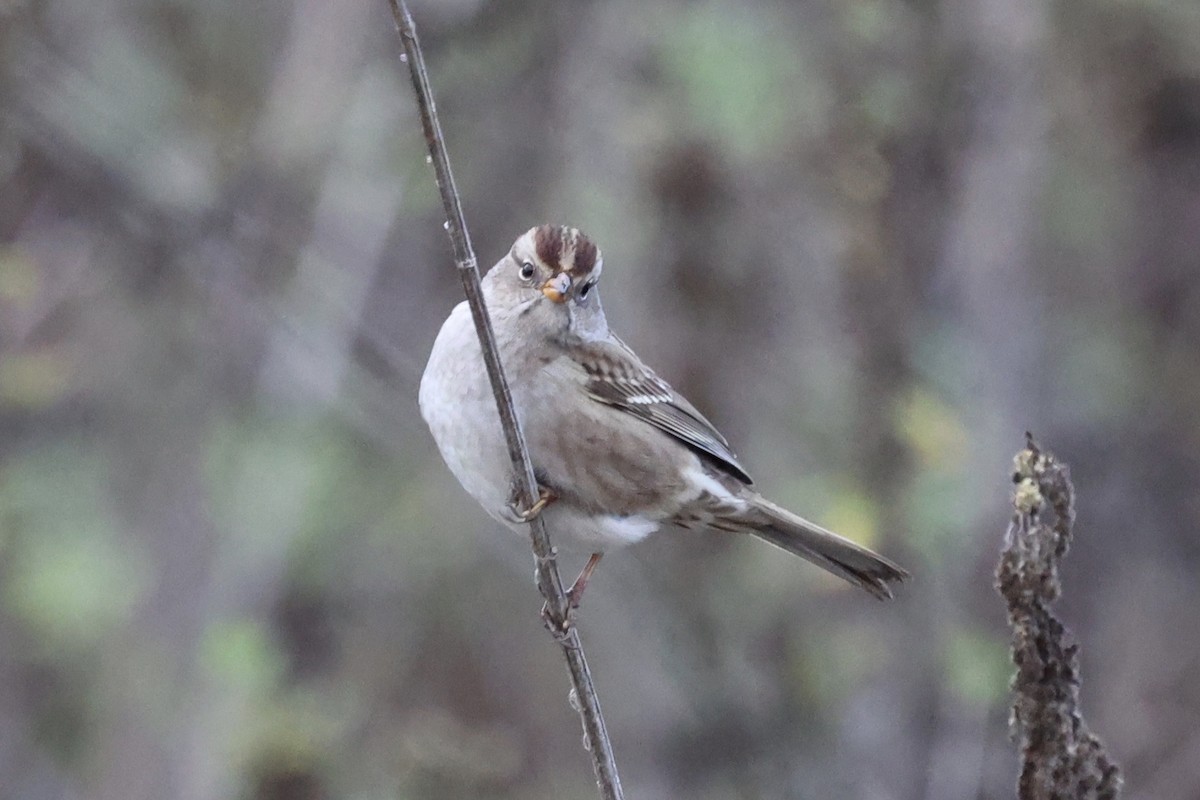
<point x="550" y="275"/>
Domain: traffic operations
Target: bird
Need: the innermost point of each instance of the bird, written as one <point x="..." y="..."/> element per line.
<point x="617" y="452"/>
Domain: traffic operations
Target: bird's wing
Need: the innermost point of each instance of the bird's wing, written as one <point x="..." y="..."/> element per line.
<point x="615" y="376"/>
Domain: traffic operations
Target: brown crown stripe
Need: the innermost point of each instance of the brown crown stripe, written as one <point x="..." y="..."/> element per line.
<point x="555" y="243"/>
<point x="547" y="240"/>
<point x="586" y="254"/>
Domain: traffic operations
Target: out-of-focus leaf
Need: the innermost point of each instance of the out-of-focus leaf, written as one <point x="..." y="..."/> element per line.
<point x="768" y="93"/>
<point x="852" y="513"/>
<point x="18" y="277"/>
<point x="932" y="430"/>
<point x="267" y="478"/>
<point x="34" y="379"/>
<point x="938" y="506"/>
<point x="241" y="654"/>
<point x="977" y="667"/>
<point x="69" y="576"/>
<point x="835" y="503"/>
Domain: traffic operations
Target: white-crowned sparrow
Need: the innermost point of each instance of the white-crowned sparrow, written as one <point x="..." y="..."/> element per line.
<point x="618" y="453"/>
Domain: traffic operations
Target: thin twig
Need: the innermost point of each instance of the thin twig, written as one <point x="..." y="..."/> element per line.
<point x="583" y="695"/>
<point x="1061" y="757"/>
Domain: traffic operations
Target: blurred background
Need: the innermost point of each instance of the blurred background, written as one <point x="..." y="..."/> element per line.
<point x="874" y="240"/>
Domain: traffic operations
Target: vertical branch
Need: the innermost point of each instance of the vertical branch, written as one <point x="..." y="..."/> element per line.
<point x="1061" y="757"/>
<point x="583" y="695"/>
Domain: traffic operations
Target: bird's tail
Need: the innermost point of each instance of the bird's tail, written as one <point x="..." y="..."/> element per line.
<point x="826" y="549"/>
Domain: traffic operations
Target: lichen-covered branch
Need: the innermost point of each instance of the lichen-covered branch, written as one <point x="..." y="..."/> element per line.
<point x="583" y="694"/>
<point x="1061" y="757"/>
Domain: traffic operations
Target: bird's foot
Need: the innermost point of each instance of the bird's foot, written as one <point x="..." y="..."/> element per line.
<point x="575" y="593"/>
<point x="560" y="629"/>
<point x="515" y="514"/>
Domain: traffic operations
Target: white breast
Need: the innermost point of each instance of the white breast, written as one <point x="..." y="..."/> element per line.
<point x="457" y="403"/>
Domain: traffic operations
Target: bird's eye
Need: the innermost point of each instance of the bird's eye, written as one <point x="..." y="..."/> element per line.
<point x="526" y="271"/>
<point x="587" y="287"/>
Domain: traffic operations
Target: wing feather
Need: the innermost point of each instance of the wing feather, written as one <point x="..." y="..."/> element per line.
<point x="616" y="377"/>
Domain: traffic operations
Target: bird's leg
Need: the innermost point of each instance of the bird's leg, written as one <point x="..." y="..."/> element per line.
<point x="574" y="595"/>
<point x="516" y="514"/>
<point x="560" y="630"/>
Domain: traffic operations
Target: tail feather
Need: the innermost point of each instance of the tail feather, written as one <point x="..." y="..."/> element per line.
<point x="852" y="562"/>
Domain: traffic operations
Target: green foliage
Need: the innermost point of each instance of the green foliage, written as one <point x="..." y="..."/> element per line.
<point x="241" y="655"/>
<point x="270" y="480"/>
<point x="978" y="667"/>
<point x="744" y="85"/>
<point x="932" y="430"/>
<point x="70" y="576"/>
<point x="937" y="501"/>
<point x="938" y="505"/>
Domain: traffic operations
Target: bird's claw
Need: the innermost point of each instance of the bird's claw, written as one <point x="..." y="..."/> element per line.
<point x="517" y="515"/>
<point x="574" y="596"/>
<point x="559" y="629"/>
